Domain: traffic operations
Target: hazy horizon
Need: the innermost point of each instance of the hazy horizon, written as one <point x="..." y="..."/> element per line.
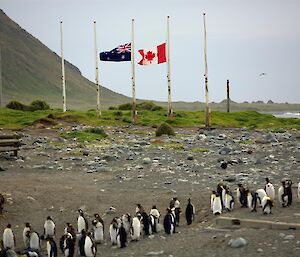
<point x="244" y="40"/>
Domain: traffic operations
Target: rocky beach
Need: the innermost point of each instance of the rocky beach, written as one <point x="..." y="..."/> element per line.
<point x="56" y="176"/>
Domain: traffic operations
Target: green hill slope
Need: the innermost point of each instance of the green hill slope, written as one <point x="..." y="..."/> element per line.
<point x="30" y="71"/>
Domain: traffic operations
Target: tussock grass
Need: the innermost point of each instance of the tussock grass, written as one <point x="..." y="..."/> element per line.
<point x="15" y="119"/>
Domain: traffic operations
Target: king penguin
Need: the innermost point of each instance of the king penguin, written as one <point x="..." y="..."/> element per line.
<point x="51" y="247"/>
<point x="136" y="228"/>
<point x="229" y="200"/>
<point x="217" y="205"/>
<point x="122" y="236"/>
<point x="98" y="231"/>
<point x="261" y="193"/>
<point x="241" y="195"/>
<point x="252" y="200"/>
<point x="267" y="205"/>
<point x="189" y="212"/>
<point x="26" y="233"/>
<point x="90" y="248"/>
<point x="81" y="222"/>
<point x="9" y="241"/>
<point x="127" y="222"/>
<point x="155" y="220"/>
<point x="49" y="228"/>
<point x="270" y="190"/>
<point x="212" y="198"/>
<point x="67" y="245"/>
<point x="113" y="231"/>
<point x="282" y="194"/>
<point x="34" y="241"/>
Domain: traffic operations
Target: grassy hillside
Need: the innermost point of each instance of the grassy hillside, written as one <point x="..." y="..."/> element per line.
<point x="30" y="71"/>
<point x="12" y="119"/>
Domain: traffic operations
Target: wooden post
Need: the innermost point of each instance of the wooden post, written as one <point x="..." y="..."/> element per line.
<point x="63" y="69"/>
<point x="228" y="98"/>
<point x="207" y="110"/>
<point x="170" y="110"/>
<point x="97" y="72"/>
<point x="134" y="111"/>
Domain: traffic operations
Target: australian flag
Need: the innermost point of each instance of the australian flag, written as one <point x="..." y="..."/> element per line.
<point x="121" y="53"/>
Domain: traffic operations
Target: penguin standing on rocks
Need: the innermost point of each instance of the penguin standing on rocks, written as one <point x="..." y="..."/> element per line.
<point x="113" y="231"/>
<point x="70" y="229"/>
<point x="49" y="228"/>
<point x="229" y="200"/>
<point x="127" y="222"/>
<point x="136" y="228"/>
<point x="154" y="214"/>
<point x="146" y="223"/>
<point x="283" y="194"/>
<point x="67" y="245"/>
<point x="289" y="184"/>
<point x="261" y="193"/>
<point x="81" y="243"/>
<point x="51" y="247"/>
<point x="90" y="248"/>
<point x="212" y="198"/>
<point x="252" y="200"/>
<point x="26" y="233"/>
<point x="221" y="193"/>
<point x="217" y="205"/>
<point x="82" y="222"/>
<point x="34" y="241"/>
<point x="241" y="195"/>
<point x="169" y="222"/>
<point x="98" y="231"/>
<point x="267" y="205"/>
<point x="9" y="241"/>
<point x="189" y="212"/>
<point x="122" y="236"/>
<point x="270" y="190"/>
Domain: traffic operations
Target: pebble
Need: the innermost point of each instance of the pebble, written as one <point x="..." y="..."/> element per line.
<point x="259" y="250"/>
<point x="289" y="237"/>
<point x="154" y="253"/>
<point x="146" y="160"/>
<point x="237" y="243"/>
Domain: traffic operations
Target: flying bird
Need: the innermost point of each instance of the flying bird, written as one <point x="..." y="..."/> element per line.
<point x="262" y="74"/>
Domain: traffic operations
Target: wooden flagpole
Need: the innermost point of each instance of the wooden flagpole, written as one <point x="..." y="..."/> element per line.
<point x="170" y="110"/>
<point x="228" y="97"/>
<point x="134" y="111"/>
<point x="63" y="69"/>
<point x="207" y="111"/>
<point x="97" y="71"/>
<point x="1" y="91"/>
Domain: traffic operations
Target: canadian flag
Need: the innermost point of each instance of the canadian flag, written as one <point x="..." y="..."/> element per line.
<point x="156" y="55"/>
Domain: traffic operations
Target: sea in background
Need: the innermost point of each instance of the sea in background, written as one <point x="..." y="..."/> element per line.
<point x="287" y="115"/>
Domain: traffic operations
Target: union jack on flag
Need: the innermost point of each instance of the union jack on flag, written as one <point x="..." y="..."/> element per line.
<point x="124" y="48"/>
<point x="119" y="54"/>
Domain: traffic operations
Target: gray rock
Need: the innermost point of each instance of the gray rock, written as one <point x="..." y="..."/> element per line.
<point x="146" y="160"/>
<point x="2" y="169"/>
<point x="259" y="250"/>
<point x="237" y="243"/>
<point x="103" y="169"/>
<point x="190" y="157"/>
<point x="289" y="237"/>
<point x="85" y="152"/>
<point x="225" y="150"/>
<point x="270" y="137"/>
<point x="155" y="253"/>
<point x="109" y="157"/>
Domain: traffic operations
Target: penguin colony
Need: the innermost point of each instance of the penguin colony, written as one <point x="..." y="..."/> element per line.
<point x="83" y="241"/>
<point x="127" y="228"/>
<point x="222" y="199"/>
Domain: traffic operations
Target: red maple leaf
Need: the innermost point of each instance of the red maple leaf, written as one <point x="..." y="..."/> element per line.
<point x="150" y="56"/>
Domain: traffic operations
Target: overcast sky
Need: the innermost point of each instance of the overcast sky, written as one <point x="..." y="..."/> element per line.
<point x="244" y="39"/>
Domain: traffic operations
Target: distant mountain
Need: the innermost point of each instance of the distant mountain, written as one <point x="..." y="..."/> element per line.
<point x="30" y="71"/>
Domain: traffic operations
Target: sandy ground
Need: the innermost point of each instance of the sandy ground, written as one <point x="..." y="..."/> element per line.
<point x="33" y="194"/>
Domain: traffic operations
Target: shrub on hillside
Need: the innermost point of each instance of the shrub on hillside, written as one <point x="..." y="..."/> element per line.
<point x="150" y="106"/>
<point x="98" y="131"/>
<point x="127" y="106"/>
<point x="112" y="108"/>
<point x="165" y="129"/>
<point x="39" y="105"/>
<point x="15" y="105"/>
